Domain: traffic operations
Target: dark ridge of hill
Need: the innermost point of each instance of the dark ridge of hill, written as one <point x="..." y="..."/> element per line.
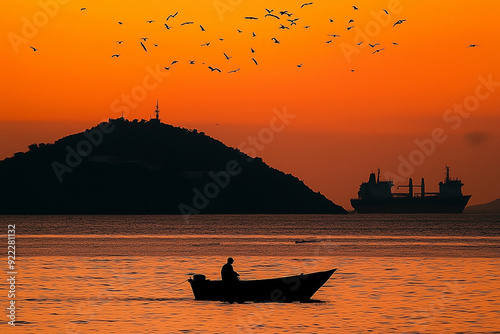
<point x="123" y="167"/>
<point x="493" y="206"/>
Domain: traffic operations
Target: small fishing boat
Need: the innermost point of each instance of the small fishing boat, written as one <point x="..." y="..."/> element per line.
<point x="282" y="290"/>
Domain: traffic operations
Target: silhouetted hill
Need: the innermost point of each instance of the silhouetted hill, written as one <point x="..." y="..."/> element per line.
<point x="493" y="206"/>
<point x="124" y="167"/>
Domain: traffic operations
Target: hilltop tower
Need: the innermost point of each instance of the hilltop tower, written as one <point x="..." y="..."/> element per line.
<point x="157" y="111"/>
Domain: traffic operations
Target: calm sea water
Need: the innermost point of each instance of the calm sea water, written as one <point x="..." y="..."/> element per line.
<point x="127" y="274"/>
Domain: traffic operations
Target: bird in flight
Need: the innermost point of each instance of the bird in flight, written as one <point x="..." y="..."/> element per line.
<point x="83" y="8"/>
<point x="119" y="22"/>
<point x="191" y="62"/>
<point x="373" y="45"/>
<point x="167" y="68"/>
<point x="292" y="21"/>
<point x="251" y="18"/>
<point x="172" y="16"/>
<point x="306" y="4"/>
<point x="119" y="42"/>
<point x="385" y="11"/>
<point x="255" y="61"/>
<point x="355" y="8"/>
<point x="144" y="47"/>
<point x="202" y="29"/>
<point x="300" y="65"/>
<point x="189" y="22"/>
<point x="329" y="41"/>
<point x="253" y="34"/>
<point x="349" y="28"/>
<point x="272" y="15"/>
<point x="233" y="71"/>
<point x="239" y="31"/>
<point x="144" y="38"/>
<point x="251" y="49"/>
<point x="351" y="21"/>
<point x="394" y="43"/>
<point x="473" y="45"/>
<point x="214" y="69"/>
<point x="115" y="55"/>
<point x="269" y="10"/>
<point x="378" y="50"/>
<point x="275" y="40"/>
<point x="334" y="35"/>
<point x="174" y="62"/>
<point x="306" y="27"/>
<point x="398" y="22"/>
<point x="34" y="49"/>
<point x="206" y="44"/>
<point x="150" y="21"/>
<point x="283" y="27"/>
<point x="225" y="55"/>
<point x="167" y="26"/>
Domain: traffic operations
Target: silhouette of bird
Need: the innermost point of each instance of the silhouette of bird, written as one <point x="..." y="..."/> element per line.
<point x="373" y="45"/>
<point x="378" y="50"/>
<point x="206" y="44"/>
<point x="225" y="55"/>
<point x="255" y="61"/>
<point x="283" y="27"/>
<point x="334" y="35"/>
<point x="398" y="22"/>
<point x="189" y="22"/>
<point x="174" y="62"/>
<point x="115" y="55"/>
<point x="307" y="27"/>
<point x="355" y="8"/>
<point x="34" y="49"/>
<point x="221" y="39"/>
<point x="292" y="21"/>
<point x="191" y="62"/>
<point x="272" y="15"/>
<point x="351" y="21"/>
<point x="239" y="31"/>
<point x="202" y="29"/>
<point x="172" y="16"/>
<point x="394" y="43"/>
<point x="349" y="28"/>
<point x="360" y="43"/>
<point x="329" y="41"/>
<point x="144" y="47"/>
<point x="83" y="8"/>
<point x="156" y="45"/>
<point x="150" y="21"/>
<point x="275" y="40"/>
<point x="119" y="22"/>
<point x="251" y="49"/>
<point x="144" y="38"/>
<point x="331" y="20"/>
<point x="352" y="70"/>
<point x="253" y="34"/>
<point x="119" y="42"/>
<point x="300" y="65"/>
<point x="385" y="11"/>
<point x="251" y="18"/>
<point x="214" y="69"/>
<point x="473" y="45"/>
<point x="269" y="10"/>
<point x="285" y="12"/>
<point x="233" y="71"/>
<point x="167" y="68"/>
<point x="306" y="4"/>
<point x="167" y="26"/>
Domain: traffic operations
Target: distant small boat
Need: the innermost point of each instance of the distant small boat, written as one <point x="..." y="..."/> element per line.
<point x="282" y="290"/>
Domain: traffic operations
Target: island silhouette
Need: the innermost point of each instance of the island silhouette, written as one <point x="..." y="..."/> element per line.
<point x="148" y="167"/>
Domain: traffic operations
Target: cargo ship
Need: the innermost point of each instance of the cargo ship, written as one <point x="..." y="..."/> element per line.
<point x="375" y="196"/>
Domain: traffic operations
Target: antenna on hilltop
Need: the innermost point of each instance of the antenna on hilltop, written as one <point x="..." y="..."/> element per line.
<point x="157" y="111"/>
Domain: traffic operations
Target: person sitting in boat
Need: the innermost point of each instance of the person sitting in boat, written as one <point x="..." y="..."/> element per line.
<point x="227" y="272"/>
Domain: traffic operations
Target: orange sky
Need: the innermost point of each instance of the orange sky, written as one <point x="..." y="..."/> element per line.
<point x="347" y="123"/>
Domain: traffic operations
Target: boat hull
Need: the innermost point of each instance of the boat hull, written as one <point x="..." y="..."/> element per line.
<point x="284" y="289"/>
<point x="431" y="204"/>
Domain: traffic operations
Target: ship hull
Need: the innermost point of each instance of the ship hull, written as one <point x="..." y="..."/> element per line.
<point x="431" y="204"/>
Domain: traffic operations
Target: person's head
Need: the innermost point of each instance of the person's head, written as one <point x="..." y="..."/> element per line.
<point x="230" y="260"/>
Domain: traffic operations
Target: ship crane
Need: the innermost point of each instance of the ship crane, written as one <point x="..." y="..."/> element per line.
<point x="410" y="188"/>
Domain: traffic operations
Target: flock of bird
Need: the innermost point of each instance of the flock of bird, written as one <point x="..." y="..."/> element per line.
<point x="286" y="21"/>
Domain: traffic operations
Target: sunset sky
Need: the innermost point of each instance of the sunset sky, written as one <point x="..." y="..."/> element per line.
<point x="426" y="99"/>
